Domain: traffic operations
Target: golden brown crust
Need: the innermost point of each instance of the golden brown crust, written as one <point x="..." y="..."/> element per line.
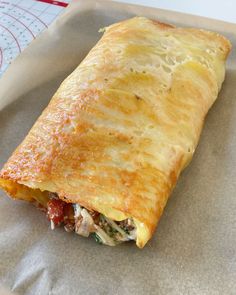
<point x="162" y="25"/>
<point x="123" y="125"/>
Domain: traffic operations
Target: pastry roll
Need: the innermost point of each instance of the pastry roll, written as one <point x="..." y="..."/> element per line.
<point x="105" y="154"/>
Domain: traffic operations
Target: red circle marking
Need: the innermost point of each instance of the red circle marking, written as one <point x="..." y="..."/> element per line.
<point x="18" y="45"/>
<point x="20" y="23"/>
<point x="1" y="57"/>
<point x="31" y="14"/>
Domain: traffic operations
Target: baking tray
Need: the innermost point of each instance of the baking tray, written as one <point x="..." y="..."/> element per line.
<point x="193" y="249"/>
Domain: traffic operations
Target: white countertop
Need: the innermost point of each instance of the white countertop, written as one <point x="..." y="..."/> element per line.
<point x="218" y="9"/>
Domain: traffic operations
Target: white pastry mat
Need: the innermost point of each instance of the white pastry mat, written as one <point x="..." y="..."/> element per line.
<point x="21" y="21"/>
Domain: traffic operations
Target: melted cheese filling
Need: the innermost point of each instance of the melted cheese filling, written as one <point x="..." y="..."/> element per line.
<point x="86" y="222"/>
<point x="104" y="230"/>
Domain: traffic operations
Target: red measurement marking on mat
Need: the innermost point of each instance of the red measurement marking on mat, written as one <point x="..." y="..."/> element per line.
<point x="31" y="14"/>
<point x="58" y="3"/>
<point x="20" y="23"/>
<point x="17" y="43"/>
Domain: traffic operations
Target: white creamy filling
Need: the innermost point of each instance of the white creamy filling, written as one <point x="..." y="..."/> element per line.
<point x="106" y="231"/>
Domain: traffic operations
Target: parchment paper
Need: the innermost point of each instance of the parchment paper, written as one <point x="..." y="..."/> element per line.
<point x="194" y="248"/>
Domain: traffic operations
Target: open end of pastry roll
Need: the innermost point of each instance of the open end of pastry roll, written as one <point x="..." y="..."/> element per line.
<point x="74" y="217"/>
<point x="107" y="151"/>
